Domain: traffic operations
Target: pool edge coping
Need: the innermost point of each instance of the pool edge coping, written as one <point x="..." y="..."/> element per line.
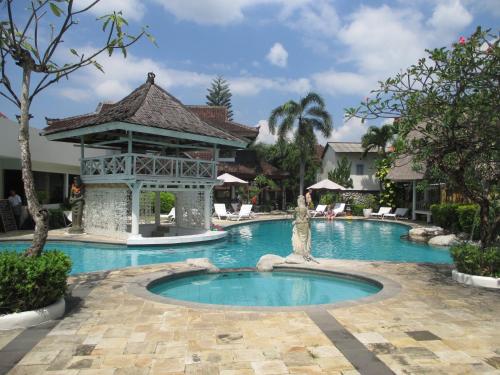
<point x="139" y="286"/>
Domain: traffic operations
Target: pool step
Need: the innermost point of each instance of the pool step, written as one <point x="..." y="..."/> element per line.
<point x="160" y="232"/>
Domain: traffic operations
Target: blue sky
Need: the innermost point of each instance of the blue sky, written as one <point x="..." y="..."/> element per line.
<point x="269" y="50"/>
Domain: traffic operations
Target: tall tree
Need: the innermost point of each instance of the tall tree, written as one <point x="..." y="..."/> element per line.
<point x="377" y="138"/>
<point x="449" y="119"/>
<point x="341" y="174"/>
<point x="304" y="117"/>
<point x="37" y="62"/>
<point x="219" y="94"/>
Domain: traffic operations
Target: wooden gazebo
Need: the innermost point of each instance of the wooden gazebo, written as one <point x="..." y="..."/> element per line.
<point x="142" y="138"/>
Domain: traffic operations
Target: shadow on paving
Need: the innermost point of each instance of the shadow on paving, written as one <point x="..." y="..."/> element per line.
<point x="79" y="287"/>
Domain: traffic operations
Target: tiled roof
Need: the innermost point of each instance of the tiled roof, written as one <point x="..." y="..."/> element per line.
<point x="148" y="105"/>
<point x="403" y="170"/>
<point x="217" y="117"/>
<point x="354" y="147"/>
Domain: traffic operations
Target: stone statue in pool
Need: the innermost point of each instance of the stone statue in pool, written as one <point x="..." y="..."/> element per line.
<point x="301" y="241"/>
<point x="301" y="233"/>
<point x="76" y="201"/>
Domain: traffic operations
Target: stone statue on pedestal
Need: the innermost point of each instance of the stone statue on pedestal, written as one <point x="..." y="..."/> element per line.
<point x="76" y="201"/>
<point x="301" y="234"/>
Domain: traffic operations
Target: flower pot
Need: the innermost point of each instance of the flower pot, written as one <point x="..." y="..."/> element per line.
<point x="367" y="212"/>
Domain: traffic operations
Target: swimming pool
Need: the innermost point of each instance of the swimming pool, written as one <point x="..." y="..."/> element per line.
<point x="246" y="243"/>
<point x="277" y="288"/>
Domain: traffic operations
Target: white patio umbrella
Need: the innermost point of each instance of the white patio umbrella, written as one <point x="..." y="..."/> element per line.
<point x="230" y="179"/>
<point x="326" y="184"/>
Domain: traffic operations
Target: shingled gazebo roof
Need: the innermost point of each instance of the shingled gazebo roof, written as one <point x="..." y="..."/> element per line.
<point x="148" y="106"/>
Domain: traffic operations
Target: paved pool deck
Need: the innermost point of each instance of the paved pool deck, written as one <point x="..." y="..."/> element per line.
<point x="428" y="325"/>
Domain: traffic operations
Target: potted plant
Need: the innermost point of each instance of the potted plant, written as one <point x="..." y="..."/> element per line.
<point x="370" y="203"/>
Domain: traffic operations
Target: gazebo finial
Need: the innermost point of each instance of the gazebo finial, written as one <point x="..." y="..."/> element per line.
<point x="151" y="78"/>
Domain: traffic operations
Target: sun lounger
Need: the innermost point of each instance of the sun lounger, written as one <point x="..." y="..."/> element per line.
<point x="399" y="213"/>
<point x="320" y="210"/>
<point x="381" y="212"/>
<point x="220" y="210"/>
<point x="245" y="213"/>
<point x="338" y="209"/>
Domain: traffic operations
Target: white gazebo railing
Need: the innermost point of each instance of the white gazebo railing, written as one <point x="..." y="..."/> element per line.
<point x="141" y="166"/>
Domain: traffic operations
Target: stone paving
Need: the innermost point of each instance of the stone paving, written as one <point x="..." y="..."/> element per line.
<point x="432" y="326"/>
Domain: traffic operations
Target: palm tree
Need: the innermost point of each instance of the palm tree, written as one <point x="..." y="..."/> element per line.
<point x="305" y="116"/>
<point x="378" y="138"/>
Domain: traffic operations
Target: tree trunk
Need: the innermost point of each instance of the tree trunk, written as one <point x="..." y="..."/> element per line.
<point x="39" y="214"/>
<point x="301" y="175"/>
<point x="484" y="223"/>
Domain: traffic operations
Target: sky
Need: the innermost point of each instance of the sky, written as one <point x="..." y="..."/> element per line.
<point x="270" y="51"/>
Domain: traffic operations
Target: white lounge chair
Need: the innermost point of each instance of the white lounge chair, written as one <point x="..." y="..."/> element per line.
<point x="381" y="212"/>
<point x="320" y="210"/>
<point x="245" y="213"/>
<point x="170" y="217"/>
<point x="338" y="208"/>
<point x="220" y="210"/>
<point x="400" y="212"/>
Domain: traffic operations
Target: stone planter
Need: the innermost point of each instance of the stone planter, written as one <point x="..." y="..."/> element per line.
<point x="367" y="212"/>
<point x="474" y="280"/>
<point x="32" y="318"/>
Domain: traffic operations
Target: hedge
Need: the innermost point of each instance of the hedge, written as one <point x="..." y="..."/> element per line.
<point x="29" y="283"/>
<point x="473" y="260"/>
<point x="457" y="217"/>
<point x="167" y="201"/>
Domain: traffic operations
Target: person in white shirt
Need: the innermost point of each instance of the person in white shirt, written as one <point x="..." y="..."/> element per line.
<point x="16" y="204"/>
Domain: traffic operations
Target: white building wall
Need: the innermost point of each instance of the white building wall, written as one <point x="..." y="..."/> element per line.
<point x="366" y="181"/>
<point x="46" y="156"/>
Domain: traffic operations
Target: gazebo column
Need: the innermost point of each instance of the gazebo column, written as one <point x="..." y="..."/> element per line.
<point x="157" y="208"/>
<point x="136" y="196"/>
<point x="207" y="207"/>
<point x="414" y="200"/>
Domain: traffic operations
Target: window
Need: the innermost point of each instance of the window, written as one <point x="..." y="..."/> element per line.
<point x="360" y="169"/>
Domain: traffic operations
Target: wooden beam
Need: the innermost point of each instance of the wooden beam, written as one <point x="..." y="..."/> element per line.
<point x="110" y="126"/>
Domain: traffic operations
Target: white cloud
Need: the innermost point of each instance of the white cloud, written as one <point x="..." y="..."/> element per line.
<point x="265" y="135"/>
<point x="450" y="16"/>
<point x="350" y="131"/>
<point x="248" y="86"/>
<point x="132" y="9"/>
<point x="123" y="75"/>
<point x="278" y="55"/>
<point x="318" y="18"/>
<point x="343" y="83"/>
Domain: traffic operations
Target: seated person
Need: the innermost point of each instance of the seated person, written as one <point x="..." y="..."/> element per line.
<point x="330" y="214"/>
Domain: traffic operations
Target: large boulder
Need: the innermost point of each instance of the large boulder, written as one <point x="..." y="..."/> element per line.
<point x="423" y="234"/>
<point x="444" y="240"/>
<point x="202" y="263"/>
<point x="268" y="261"/>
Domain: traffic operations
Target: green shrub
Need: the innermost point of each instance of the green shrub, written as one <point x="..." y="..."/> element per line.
<point x="167" y="201"/>
<point x="468" y="217"/>
<point x="473" y="260"/>
<point x="28" y="283"/>
<point x="56" y="218"/>
<point x="329" y="198"/>
<point x="357" y="209"/>
<point x="445" y="215"/>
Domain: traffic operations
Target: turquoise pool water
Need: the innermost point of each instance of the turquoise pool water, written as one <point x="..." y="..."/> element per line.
<point x="245" y="244"/>
<point x="264" y="289"/>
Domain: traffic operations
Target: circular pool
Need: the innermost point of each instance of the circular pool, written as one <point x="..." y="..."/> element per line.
<point x="271" y="289"/>
<point x="246" y="243"/>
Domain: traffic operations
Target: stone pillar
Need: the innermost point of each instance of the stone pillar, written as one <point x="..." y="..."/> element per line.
<point x="66" y="186"/>
<point x="157" y="208"/>
<point x="414" y="200"/>
<point x="207" y="207"/>
<point x="136" y="196"/>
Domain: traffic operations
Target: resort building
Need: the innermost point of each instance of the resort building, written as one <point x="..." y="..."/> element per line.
<point x="143" y="139"/>
<point x="362" y="168"/>
<point x="54" y="164"/>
